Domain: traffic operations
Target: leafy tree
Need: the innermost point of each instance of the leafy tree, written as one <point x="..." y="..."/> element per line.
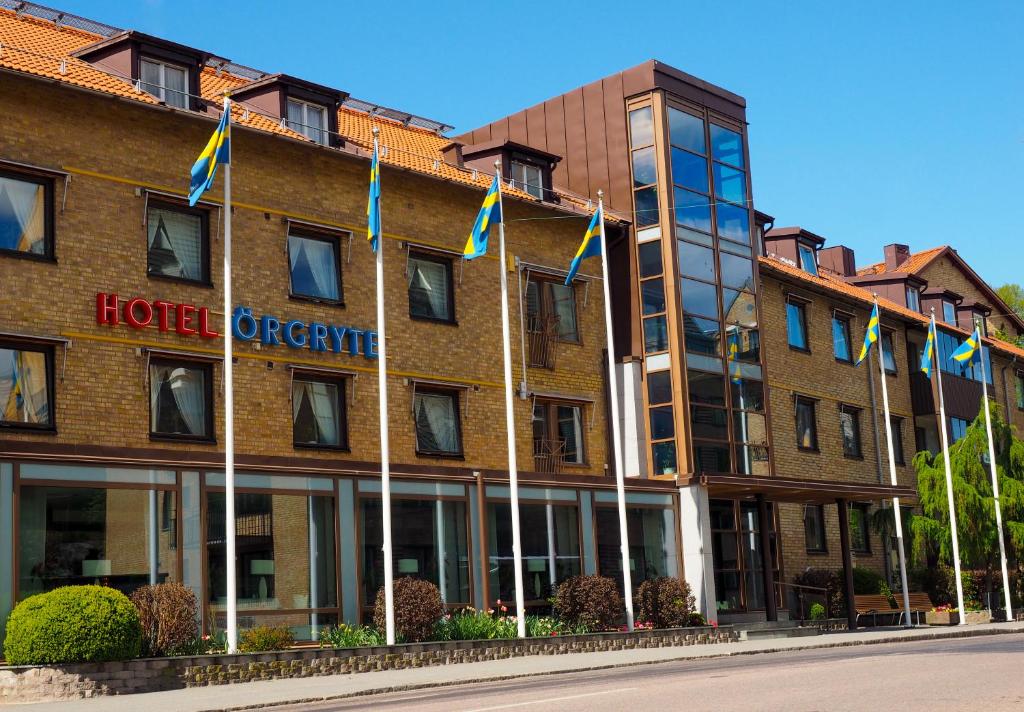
<point x="1013" y="295"/>
<point x="973" y="498"/>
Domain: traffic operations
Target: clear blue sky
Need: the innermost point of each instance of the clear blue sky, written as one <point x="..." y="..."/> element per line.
<point x="870" y="122"/>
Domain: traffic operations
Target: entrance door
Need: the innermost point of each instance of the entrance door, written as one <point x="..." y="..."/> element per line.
<point x="736" y="549"/>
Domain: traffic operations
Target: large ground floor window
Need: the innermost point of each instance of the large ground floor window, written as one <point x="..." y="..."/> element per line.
<point x="429" y="541"/>
<point x="652" y="543"/>
<point x="550" y="535"/>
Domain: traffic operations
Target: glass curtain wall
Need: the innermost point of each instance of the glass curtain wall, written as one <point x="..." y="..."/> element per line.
<point x="652" y="543"/>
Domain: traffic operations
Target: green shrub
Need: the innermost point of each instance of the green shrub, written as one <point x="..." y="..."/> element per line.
<point x="264" y="637"/>
<point x="665" y="602"/>
<point x="696" y="620"/>
<point x="590" y="601"/>
<point x="830" y="581"/>
<point x="346" y="636"/>
<point x="866" y="581"/>
<point x="168" y="613"/>
<point x="418" y="608"/>
<point x="817" y="612"/>
<point x="73" y="624"/>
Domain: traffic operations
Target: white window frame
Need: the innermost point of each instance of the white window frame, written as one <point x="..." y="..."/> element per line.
<point x="306" y="128"/>
<point x="916" y="305"/>
<point x="162" y="84"/>
<point x="520" y="178"/>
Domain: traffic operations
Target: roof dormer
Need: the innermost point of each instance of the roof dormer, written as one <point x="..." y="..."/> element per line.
<point x="795" y="244"/>
<point x="304" y="107"/>
<point x="167" y="70"/>
<point x="527" y="168"/>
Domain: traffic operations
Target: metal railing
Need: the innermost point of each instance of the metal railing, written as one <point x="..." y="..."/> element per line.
<point x="542" y="340"/>
<point x="548" y="456"/>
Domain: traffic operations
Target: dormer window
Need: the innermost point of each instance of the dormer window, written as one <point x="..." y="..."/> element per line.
<point x="808" y="259"/>
<point x="167" y="82"/>
<point x="913" y="299"/>
<point x="310" y="120"/>
<point x="528" y="177"/>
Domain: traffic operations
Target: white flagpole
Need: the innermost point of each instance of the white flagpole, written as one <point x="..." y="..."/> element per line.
<point x="613" y="387"/>
<point x="892" y="477"/>
<point x="513" y="478"/>
<point x="949" y="475"/>
<point x="385" y="454"/>
<point x="995" y="478"/>
<point x="229" y="414"/>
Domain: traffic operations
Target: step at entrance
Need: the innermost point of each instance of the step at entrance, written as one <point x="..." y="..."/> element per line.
<point x="766" y="630"/>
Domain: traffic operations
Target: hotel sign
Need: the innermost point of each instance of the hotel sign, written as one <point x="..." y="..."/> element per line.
<point x="190" y="320"/>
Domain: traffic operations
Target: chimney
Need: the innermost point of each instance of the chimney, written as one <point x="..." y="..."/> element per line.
<point x="838" y="260"/>
<point x="895" y="255"/>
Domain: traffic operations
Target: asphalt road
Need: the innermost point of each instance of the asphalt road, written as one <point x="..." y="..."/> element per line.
<point x="983" y="673"/>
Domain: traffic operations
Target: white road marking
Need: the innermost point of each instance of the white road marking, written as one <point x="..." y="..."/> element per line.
<point x="552" y="699"/>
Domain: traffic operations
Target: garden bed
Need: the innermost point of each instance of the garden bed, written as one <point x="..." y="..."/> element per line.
<point x="953" y="617"/>
<point x="48" y="683"/>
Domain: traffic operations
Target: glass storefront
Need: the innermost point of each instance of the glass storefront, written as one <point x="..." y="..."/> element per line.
<point x="652" y="542"/>
<point x="737" y="554"/>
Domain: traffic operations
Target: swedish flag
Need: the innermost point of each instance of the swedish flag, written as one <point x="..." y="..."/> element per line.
<point x="969" y="352"/>
<point x="217" y="151"/>
<point x="872" y="335"/>
<point x="590" y="247"/>
<point x="373" y="231"/>
<point x="735" y="372"/>
<point x="490" y="214"/>
<point x="928" y="355"/>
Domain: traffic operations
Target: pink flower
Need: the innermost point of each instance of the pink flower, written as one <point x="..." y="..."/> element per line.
<point x="504" y="609"/>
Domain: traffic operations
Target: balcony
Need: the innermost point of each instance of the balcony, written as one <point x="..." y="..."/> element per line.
<point x="542" y="340"/>
<point x="548" y="456"/>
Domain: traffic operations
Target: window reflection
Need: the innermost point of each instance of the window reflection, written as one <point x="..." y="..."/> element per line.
<point x="747" y="394"/>
<point x="644" y="170"/>
<point x="702" y="335"/>
<point x="697" y="261"/>
<point x="652" y="543"/>
<point x="659" y="387"/>
<point x="692" y="210"/>
<point x="699" y="298"/>
<point x="737" y="272"/>
<point x="726" y="145"/>
<point x="739" y="308"/>
<point x="641" y="126"/>
<point x="551" y="549"/>
<point x="689" y="170"/>
<point x="730" y="184"/>
<point x="655" y="334"/>
<point x="650" y="259"/>
<point x="646" y="200"/>
<point x="733" y="223"/>
<point x="686" y="130"/>
<point x="708" y="388"/>
<point x="653" y="296"/>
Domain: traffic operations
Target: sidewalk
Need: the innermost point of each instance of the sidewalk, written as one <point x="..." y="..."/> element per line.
<point x="316" y="689"/>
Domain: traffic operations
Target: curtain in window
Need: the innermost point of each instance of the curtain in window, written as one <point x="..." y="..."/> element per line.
<point x="564" y="299"/>
<point x="189" y="393"/>
<point x="313" y="267"/>
<point x="428" y="288"/>
<point x="436" y="424"/>
<point x="23" y="394"/>
<point x="22" y="216"/>
<point x="323" y="401"/>
<point x="175" y="243"/>
<point x="805" y="425"/>
<point x="570" y="430"/>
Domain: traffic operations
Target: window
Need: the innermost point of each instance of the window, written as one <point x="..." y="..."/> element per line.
<point x="814" y="528"/>
<point x="841" y="338"/>
<point x="645" y="172"/>
<point x="948" y="313"/>
<point x="1018" y="381"/>
<point x="889" y="352"/>
<point x="796" y="324"/>
<point x="26" y="215"/>
<point x="438" y="430"/>
<point x="652" y="543"/>
<point x="528" y="177"/>
<point x="166" y="82"/>
<point x="551" y="550"/>
<point x="860" y="541"/>
<point x="913" y="299"/>
<point x="318" y="412"/>
<point x="558" y="434"/>
<point x="431" y="291"/>
<point x="897" y="440"/>
<point x="26" y="387"/>
<point x="310" y="120"/>
<point x="806" y="424"/>
<point x="315" y="267"/>
<point x="849" y="429"/>
<point x="551" y="305"/>
<point x="178" y="242"/>
<point x="958" y="428"/>
<point x="808" y="261"/>
<point x="180" y="400"/>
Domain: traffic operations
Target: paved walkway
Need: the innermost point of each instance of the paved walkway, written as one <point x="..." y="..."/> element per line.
<point x="314" y="689"/>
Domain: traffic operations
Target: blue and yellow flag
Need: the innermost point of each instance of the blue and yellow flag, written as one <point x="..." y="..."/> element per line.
<point x="928" y="355"/>
<point x="490" y="214"/>
<point x="590" y="247"/>
<point x="969" y="352"/>
<point x="735" y="372"/>
<point x="872" y="335"/>
<point x="217" y="151"/>
<point x="373" y="231"/>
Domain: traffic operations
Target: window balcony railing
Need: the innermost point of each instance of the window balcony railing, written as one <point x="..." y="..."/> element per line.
<point x="542" y="340"/>
<point x="548" y="456"/>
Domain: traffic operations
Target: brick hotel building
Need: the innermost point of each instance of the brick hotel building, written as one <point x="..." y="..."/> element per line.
<point x="111" y="411"/>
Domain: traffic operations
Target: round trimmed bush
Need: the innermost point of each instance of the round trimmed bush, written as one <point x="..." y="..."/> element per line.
<point x="664" y="601"/>
<point x="418" y="608"/>
<point x="73" y="624"/>
<point x="590" y="602"/>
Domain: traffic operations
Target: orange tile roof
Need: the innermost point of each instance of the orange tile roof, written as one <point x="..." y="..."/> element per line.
<point x="837" y="286"/>
<point x="914" y="264"/>
<point x="42" y="48"/>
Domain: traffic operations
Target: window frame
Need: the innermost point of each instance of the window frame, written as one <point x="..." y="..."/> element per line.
<point x="162" y="86"/>
<point x="49" y="241"/>
<point x="821" y="532"/>
<point x="551" y="406"/>
<point x="540" y="278"/>
<point x="891" y="335"/>
<point x="208" y="398"/>
<point x="341" y="381"/>
<point x="802" y="249"/>
<point x="1018" y="383"/>
<point x="916" y="306"/>
<point x="448" y="262"/>
<point x="517" y="161"/>
<point x="853" y="411"/>
<point x="454" y="393"/>
<point x="51" y="387"/>
<point x="334" y="241"/>
<point x="847" y="321"/>
<point x="945" y="316"/>
<point x="324" y="128"/>
<point x="799" y="400"/>
<point x="896" y="423"/>
<point x="863" y="508"/>
<point x="204" y="218"/>
<point x="800" y="304"/>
